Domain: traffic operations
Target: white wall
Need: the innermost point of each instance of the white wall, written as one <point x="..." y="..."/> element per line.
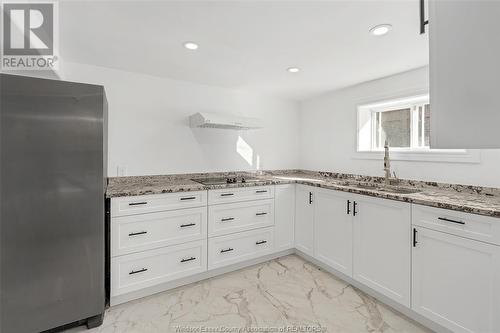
<point x="149" y="131"/>
<point x="328" y="136"/>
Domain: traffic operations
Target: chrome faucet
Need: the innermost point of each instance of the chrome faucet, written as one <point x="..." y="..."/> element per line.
<point x="387" y="164"/>
<point x="389" y="180"/>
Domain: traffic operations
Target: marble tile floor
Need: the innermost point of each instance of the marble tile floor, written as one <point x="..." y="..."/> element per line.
<point x="285" y="294"/>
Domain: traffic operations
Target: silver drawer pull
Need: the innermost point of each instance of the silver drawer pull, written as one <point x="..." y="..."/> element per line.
<point x="138" y="203"/>
<point x="227" y="250"/>
<point x="261" y="242"/>
<point x="226" y="194"/>
<point x="188" y="198"/>
<point x="449" y="220"/>
<point x="188" y="259"/>
<point x="132" y="234"/>
<point x="187" y="225"/>
<point x="259" y="214"/>
<point x="139" y="271"/>
<point x="261" y="191"/>
<point x="227" y="219"/>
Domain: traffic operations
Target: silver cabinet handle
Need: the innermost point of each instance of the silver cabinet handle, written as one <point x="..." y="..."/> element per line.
<point x="261" y="191"/>
<point x="188" y="259"/>
<point x="450" y="220"/>
<point x="227" y="219"/>
<point x="227" y="250"/>
<point x="138" y="271"/>
<point x="261" y="242"/>
<point x="187" y="225"/>
<point x="226" y="194"/>
<point x="132" y="234"/>
<point x="259" y="214"/>
<point x="138" y="203"/>
<point x="188" y="198"/>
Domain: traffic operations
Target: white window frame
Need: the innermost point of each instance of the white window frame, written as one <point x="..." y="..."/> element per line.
<point x="366" y="149"/>
<point x="413" y="106"/>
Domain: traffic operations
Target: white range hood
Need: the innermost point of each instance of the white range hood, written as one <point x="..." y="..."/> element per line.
<point x="225" y="121"/>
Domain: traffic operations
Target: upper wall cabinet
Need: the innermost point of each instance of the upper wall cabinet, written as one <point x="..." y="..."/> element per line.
<point x="464" y="66"/>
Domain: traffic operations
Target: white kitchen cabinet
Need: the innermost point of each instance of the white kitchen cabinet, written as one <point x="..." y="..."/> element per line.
<point x="304" y="219"/>
<point x="456" y="281"/>
<point x="141" y="232"/>
<point x="234" y="248"/>
<point x="150" y="203"/>
<point x="333" y="225"/>
<point x="284" y="217"/>
<point x="144" y="269"/>
<point x="238" y="194"/>
<point x="464" y="73"/>
<point x="382" y="246"/>
<point x="240" y="216"/>
<point x="477" y="227"/>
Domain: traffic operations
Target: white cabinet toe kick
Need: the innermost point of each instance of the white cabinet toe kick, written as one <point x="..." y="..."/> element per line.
<point x="439" y="267"/>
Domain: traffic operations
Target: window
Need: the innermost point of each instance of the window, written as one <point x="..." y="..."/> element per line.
<point x="405" y="124"/>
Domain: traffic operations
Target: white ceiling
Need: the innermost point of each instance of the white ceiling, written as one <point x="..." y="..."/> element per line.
<point x="247" y="44"/>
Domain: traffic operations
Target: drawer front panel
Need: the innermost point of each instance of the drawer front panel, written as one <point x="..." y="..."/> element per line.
<point x="240" y="194"/>
<point x="136" y="233"/>
<point x="146" y="269"/>
<point x="231" y="249"/>
<point x="157" y="202"/>
<point x="240" y="216"/>
<point x="482" y="228"/>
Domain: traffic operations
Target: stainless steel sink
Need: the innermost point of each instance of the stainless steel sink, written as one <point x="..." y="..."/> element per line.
<point x="400" y="190"/>
<point x="388" y="189"/>
<point x="368" y="186"/>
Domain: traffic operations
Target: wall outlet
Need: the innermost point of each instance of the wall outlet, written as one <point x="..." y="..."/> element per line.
<point x="121" y="170"/>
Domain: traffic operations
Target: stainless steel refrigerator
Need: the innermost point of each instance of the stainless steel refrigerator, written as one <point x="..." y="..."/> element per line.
<point x="52" y="183"/>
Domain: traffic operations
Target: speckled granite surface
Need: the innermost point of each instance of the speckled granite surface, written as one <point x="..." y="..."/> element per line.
<point x="470" y="199"/>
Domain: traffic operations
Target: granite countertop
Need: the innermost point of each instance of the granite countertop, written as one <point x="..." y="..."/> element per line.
<point x="470" y="199"/>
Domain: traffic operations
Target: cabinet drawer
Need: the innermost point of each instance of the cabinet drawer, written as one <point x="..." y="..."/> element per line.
<point x="240" y="194"/>
<point x="483" y="228"/>
<point x="148" y="231"/>
<point x="240" y="216"/>
<point x="145" y="269"/>
<point x="231" y="249"/>
<point x="157" y="202"/>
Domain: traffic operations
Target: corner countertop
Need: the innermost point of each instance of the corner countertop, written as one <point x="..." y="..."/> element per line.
<point x="469" y="199"/>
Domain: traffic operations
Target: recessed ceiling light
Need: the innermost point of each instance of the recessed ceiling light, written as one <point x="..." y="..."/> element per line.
<point x="381" y="29"/>
<point x="191" y="45"/>
<point x="293" y="69"/>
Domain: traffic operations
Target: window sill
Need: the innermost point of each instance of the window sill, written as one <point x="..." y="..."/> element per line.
<point x="445" y="156"/>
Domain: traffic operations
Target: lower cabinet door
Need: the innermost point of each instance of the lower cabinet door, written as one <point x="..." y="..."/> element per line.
<point x="333" y="229"/>
<point x="284" y="216"/>
<point x="148" y="268"/>
<point x="456" y="281"/>
<point x="382" y="246"/>
<point x="304" y="219"/>
<point x="234" y="248"/>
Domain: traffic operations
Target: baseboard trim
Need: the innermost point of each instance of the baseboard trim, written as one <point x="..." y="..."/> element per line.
<point x="115" y="300"/>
